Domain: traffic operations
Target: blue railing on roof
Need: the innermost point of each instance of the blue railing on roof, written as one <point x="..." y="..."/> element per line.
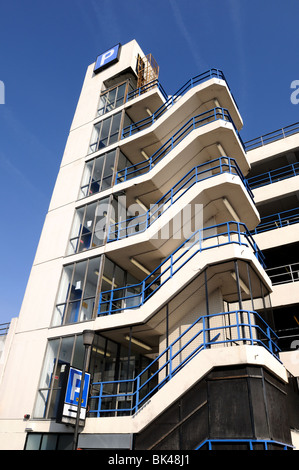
<point x="144" y="88"/>
<point x="278" y="220"/>
<point x="142" y="124"/>
<point x="272" y="136"/>
<point x="233" y="328"/>
<point x="192" y="124"/>
<point x="272" y="176"/>
<point x="140" y="223"/>
<point x="134" y="296"/>
<point x="252" y="444"/>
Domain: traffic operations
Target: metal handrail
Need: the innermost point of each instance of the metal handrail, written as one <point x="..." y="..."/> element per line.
<point x="272" y="136"/>
<point x="144" y="88"/>
<point x="140" y="223"/>
<point x="285" y="273"/>
<point x="213" y="72"/>
<point x="251" y="443"/>
<point x="277" y="220"/>
<point x="4" y="327"/>
<point x="192" y="124"/>
<point x="272" y="176"/>
<point x="232" y="232"/>
<point x="238" y="327"/>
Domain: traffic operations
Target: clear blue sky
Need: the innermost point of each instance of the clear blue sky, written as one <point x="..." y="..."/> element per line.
<point x="45" y="48"/>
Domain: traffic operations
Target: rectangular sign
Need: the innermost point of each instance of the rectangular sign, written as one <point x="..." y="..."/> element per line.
<point x="107" y="58"/>
<point x="70" y="397"/>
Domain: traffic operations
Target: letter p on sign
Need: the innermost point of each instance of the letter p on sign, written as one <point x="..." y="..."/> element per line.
<point x="107" y="58"/>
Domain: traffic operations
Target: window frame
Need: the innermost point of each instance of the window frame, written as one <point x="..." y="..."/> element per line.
<point x="62" y="315"/>
<point x="105" y="94"/>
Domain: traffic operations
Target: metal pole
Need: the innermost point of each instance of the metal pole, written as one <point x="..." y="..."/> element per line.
<point x="87" y="351"/>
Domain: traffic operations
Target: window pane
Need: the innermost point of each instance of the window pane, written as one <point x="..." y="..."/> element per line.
<point x="86" y="180"/>
<point x="78" y="357"/>
<point x="95" y="138"/>
<point x="49" y="442"/>
<point x="100" y="222"/>
<point x="65" y="284"/>
<point x="102" y="104"/>
<point x="115" y="128"/>
<point x="111" y="95"/>
<point x="65" y="442"/>
<point x="103" y="140"/>
<point x="88" y="226"/>
<point x="97" y="175"/>
<point x="41" y="403"/>
<point x="65" y="355"/>
<point x="75" y="243"/>
<point x="49" y="363"/>
<point x="78" y="281"/>
<point x="120" y="95"/>
<point x="92" y="278"/>
<point x="108" y="171"/>
<point x="33" y="441"/>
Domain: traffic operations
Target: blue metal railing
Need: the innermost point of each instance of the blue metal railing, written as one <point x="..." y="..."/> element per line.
<point x="142" y="124"/>
<point x="225" y="328"/>
<point x="272" y="136"/>
<point x="140" y="223"/>
<point x="284" y="274"/>
<point x="4" y="327"/>
<point x="144" y="88"/>
<point x="252" y="444"/>
<point x="273" y="176"/>
<point x="278" y="220"/>
<point x="192" y="124"/>
<point x="134" y="296"/>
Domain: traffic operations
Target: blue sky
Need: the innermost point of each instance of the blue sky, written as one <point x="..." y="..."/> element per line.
<point x="45" y="48"/>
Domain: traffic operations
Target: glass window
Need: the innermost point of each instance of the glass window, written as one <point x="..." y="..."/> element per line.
<point x="115" y="282"/>
<point x="60" y="353"/>
<point x="33" y="441"/>
<point x="112" y="98"/>
<point x="90" y="226"/>
<point x="77" y="292"/>
<point x="105" y="132"/>
<point x="51" y="441"/>
<point x="99" y="173"/>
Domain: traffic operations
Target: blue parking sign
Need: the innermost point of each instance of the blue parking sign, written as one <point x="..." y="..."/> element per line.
<point x="73" y="387"/>
<point x="69" y="400"/>
<point x="107" y="58"/>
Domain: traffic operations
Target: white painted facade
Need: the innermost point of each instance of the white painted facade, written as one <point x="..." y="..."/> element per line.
<point x="224" y="199"/>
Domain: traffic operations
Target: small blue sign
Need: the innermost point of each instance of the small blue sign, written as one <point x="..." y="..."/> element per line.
<point x="73" y="388"/>
<point x="107" y="58"/>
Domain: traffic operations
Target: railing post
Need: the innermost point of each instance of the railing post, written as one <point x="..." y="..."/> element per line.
<point x="142" y="292"/>
<point x="137" y="393"/>
<point x="100" y="302"/>
<point x="170" y="361"/>
<point x="269" y="339"/>
<point x="250" y="326"/>
<point x="228" y="231"/>
<point x="100" y="400"/>
<point x="110" y="302"/>
<point x="238" y="324"/>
